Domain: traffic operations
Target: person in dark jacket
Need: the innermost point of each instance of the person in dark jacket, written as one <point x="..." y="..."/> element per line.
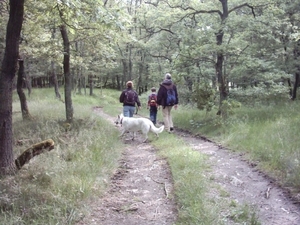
<point x="162" y="101"/>
<point x="129" y="98"/>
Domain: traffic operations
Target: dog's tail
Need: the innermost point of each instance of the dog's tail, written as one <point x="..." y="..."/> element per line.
<point x="157" y="130"/>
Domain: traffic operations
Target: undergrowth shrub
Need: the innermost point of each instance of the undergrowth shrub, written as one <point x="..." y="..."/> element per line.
<point x="204" y="96"/>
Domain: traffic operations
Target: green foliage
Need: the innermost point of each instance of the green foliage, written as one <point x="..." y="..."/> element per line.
<point x="271" y="93"/>
<point x="204" y="96"/>
<point x="228" y="106"/>
<point x="141" y="42"/>
<point x="245" y="213"/>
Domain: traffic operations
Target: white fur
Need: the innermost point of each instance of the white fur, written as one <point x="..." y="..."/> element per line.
<point x="133" y="125"/>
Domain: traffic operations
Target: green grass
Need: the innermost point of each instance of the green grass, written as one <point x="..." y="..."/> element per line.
<point x="190" y="185"/>
<point x="194" y="190"/>
<point x="268" y="134"/>
<point x="53" y="187"/>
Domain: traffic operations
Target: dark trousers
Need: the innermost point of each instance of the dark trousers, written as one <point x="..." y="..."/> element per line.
<point x="153" y="114"/>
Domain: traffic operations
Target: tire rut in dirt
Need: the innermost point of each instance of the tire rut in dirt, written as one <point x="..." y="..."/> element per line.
<point x="246" y="184"/>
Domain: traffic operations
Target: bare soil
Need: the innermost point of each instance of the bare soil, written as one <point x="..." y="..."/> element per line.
<point x="141" y="191"/>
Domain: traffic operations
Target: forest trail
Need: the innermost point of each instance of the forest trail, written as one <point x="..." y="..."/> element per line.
<point x="141" y="190"/>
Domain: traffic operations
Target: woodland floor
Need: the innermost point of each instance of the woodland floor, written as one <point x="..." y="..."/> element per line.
<point x="141" y="191"/>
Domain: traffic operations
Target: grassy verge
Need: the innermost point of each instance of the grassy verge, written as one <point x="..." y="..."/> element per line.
<point x="200" y="201"/>
<point x="51" y="188"/>
<point x="266" y="133"/>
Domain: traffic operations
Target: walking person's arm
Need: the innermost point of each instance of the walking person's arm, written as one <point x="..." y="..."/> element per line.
<point x="122" y="97"/>
<point x="137" y="100"/>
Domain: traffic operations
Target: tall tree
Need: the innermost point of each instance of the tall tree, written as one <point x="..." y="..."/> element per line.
<point x="53" y="70"/>
<point x="8" y="71"/>
<point x="67" y="74"/>
<point x="22" y="96"/>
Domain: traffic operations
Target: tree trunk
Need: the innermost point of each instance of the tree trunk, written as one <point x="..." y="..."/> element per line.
<point x="290" y="87"/>
<point x="84" y="85"/>
<point x="22" y="96"/>
<point x="118" y="82"/>
<point x="55" y="82"/>
<point x="296" y="52"/>
<point x="80" y="84"/>
<point x="28" y="81"/>
<point x="9" y="68"/>
<point x="129" y="62"/>
<point x="91" y="84"/>
<point x="296" y="83"/>
<point x="125" y="72"/>
<point x="53" y="71"/>
<point x="220" y="60"/>
<point x="67" y="74"/>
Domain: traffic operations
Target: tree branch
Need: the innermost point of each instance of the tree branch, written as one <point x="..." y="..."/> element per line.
<point x="193" y="9"/>
<point x="241" y="6"/>
<point x="151" y="3"/>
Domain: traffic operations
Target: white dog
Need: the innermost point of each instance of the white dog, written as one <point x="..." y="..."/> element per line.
<point x="133" y="125"/>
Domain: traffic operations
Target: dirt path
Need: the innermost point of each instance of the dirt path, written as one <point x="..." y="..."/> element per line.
<point x="141" y="190"/>
<point x="247" y="185"/>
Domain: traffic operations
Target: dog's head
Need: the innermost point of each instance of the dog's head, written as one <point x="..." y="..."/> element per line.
<point x="119" y="119"/>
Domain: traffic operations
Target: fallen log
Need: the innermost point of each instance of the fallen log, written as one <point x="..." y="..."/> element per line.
<point x="32" y="151"/>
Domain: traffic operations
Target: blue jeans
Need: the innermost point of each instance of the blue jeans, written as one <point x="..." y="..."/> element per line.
<point x="153" y="114"/>
<point x="128" y="111"/>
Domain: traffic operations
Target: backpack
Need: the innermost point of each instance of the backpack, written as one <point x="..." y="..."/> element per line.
<point x="152" y="100"/>
<point x="171" y="98"/>
<point x="130" y="97"/>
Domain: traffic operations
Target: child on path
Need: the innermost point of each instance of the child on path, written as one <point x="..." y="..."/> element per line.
<point x="152" y="105"/>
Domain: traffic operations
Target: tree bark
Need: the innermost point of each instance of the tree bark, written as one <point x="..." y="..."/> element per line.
<point x="55" y="82"/>
<point x="67" y="74"/>
<point x="296" y="84"/>
<point x="28" y="81"/>
<point x="129" y="62"/>
<point x="21" y="77"/>
<point x="296" y="52"/>
<point x="125" y="72"/>
<point x="290" y="87"/>
<point x="9" y="68"/>
<point x="53" y="71"/>
<point x="222" y="84"/>
<point x="91" y="84"/>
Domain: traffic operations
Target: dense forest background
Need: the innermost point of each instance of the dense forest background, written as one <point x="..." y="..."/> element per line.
<point x="213" y="49"/>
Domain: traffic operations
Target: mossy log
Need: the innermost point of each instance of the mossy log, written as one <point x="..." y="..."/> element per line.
<point x="32" y="151"/>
